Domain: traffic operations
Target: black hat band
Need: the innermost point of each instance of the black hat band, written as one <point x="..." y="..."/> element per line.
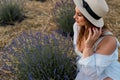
<point x="89" y="10"/>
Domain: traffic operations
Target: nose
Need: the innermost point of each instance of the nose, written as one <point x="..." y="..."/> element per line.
<point x="75" y="16"/>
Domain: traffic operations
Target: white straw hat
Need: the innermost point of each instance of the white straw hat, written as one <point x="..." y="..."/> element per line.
<point x="93" y="10"/>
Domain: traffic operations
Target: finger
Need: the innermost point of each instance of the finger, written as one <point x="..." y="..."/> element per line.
<point x="90" y="33"/>
<point x="97" y="30"/>
<point x="100" y="30"/>
<point x="94" y="32"/>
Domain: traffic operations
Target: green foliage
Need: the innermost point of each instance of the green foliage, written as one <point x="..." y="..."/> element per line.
<point x="11" y="11"/>
<point x="63" y="13"/>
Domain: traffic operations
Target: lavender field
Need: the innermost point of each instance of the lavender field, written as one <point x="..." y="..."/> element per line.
<point x="39" y="18"/>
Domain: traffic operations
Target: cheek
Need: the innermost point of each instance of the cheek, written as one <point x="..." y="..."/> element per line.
<point x="82" y="21"/>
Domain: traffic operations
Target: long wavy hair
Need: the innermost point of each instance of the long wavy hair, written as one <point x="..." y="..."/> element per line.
<point x="84" y="33"/>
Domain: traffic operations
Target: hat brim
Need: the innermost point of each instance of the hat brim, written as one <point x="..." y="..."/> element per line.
<point x="97" y="23"/>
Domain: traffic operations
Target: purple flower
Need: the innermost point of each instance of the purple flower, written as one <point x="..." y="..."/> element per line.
<point x="42" y="56"/>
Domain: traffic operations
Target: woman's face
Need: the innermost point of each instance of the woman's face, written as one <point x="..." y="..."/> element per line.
<point x="79" y="18"/>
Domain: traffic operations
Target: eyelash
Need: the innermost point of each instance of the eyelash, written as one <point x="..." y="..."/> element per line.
<point x="79" y="14"/>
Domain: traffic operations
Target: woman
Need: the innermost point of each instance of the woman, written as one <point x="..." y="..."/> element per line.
<point x="95" y="45"/>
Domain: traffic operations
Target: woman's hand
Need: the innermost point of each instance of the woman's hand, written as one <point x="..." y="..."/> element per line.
<point x="94" y="34"/>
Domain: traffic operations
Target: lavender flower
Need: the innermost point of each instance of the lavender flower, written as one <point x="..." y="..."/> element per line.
<point x="42" y="56"/>
<point x="63" y="13"/>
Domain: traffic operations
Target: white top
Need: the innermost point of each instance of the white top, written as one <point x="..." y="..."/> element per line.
<point x="96" y="66"/>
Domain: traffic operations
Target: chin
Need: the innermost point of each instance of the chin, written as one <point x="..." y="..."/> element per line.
<point x="79" y="24"/>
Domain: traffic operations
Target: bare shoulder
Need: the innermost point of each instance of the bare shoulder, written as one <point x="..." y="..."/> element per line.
<point x="107" y="45"/>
